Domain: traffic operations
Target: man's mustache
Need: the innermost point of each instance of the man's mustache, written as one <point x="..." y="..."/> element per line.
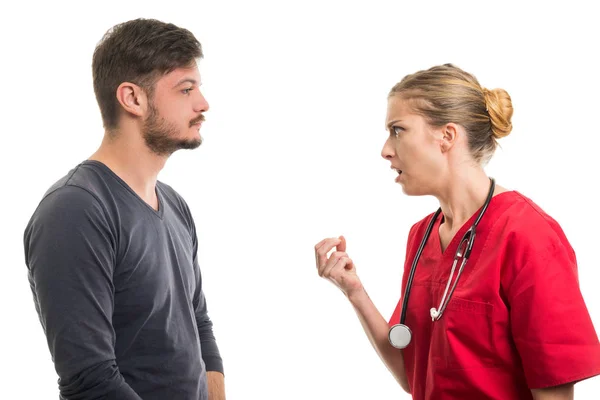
<point x="199" y="118"/>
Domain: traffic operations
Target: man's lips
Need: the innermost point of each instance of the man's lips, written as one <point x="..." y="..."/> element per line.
<point x="197" y="121"/>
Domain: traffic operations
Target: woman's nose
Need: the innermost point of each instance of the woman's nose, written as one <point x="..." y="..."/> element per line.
<point x="388" y="150"/>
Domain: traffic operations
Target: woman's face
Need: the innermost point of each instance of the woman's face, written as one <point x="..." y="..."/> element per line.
<point x="414" y="148"/>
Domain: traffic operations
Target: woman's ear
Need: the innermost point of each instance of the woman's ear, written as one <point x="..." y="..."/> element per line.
<point x="449" y="136"/>
<point x="132" y="98"/>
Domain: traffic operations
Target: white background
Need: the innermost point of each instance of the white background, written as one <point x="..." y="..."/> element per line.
<point x="292" y="155"/>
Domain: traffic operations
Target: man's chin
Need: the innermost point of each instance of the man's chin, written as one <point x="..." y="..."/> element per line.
<point x="166" y="149"/>
<point x="191" y="144"/>
<point x="187" y="145"/>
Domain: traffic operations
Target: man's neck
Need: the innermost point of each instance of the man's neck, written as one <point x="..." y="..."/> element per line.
<point x="132" y="161"/>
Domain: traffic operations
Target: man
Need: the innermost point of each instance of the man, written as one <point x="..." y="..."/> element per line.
<point x="112" y="252"/>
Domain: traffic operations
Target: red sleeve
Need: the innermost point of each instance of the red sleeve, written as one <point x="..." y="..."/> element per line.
<point x="551" y="326"/>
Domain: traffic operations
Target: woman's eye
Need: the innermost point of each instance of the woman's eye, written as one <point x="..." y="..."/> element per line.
<point x="396" y="130"/>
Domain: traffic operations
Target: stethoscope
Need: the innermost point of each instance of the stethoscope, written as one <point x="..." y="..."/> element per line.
<point x="400" y="335"/>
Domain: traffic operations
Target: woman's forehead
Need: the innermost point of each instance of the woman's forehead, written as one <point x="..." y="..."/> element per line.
<point x="399" y="110"/>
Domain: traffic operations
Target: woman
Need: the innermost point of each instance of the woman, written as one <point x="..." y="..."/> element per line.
<point x="510" y="322"/>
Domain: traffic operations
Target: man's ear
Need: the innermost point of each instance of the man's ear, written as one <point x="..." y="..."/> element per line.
<point x="449" y="136"/>
<point x="132" y="98"/>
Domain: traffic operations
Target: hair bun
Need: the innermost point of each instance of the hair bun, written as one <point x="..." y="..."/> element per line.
<point x="499" y="107"/>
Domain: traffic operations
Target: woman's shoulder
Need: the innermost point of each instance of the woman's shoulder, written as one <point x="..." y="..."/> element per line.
<point x="522" y="222"/>
<point x="524" y="213"/>
<point x="419" y="227"/>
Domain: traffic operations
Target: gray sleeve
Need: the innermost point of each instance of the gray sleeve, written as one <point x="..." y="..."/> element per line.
<point x="208" y="343"/>
<point x="210" y="351"/>
<point x="69" y="252"/>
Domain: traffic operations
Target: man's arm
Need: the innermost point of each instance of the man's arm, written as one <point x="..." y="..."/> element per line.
<point x="210" y="351"/>
<point x="208" y="344"/>
<point x="562" y="392"/>
<point x="216" y="385"/>
<point x="70" y="257"/>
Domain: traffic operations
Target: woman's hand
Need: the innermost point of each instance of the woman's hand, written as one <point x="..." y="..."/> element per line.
<point x="338" y="268"/>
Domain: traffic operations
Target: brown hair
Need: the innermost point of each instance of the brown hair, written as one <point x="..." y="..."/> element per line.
<point x="138" y="51"/>
<point x="445" y="93"/>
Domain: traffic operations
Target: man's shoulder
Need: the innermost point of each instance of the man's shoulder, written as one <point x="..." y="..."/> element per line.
<point x="64" y="210"/>
<point x="83" y="183"/>
<point x="80" y="193"/>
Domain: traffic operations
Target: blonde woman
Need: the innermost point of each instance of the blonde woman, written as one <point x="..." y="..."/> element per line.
<point x="494" y="309"/>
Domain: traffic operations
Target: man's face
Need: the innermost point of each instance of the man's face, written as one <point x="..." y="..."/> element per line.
<point x="175" y="112"/>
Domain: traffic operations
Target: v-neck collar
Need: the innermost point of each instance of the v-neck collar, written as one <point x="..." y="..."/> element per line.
<point x="161" y="204"/>
<point x="452" y="246"/>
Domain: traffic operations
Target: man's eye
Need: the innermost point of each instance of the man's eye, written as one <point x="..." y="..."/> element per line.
<point x="186" y="91"/>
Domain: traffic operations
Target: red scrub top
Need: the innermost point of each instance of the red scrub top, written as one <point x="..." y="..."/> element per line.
<point x="517" y="319"/>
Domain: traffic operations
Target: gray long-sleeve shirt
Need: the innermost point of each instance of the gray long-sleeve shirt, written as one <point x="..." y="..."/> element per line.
<point x="118" y="290"/>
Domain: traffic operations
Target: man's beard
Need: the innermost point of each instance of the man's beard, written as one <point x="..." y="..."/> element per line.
<point x="161" y="135"/>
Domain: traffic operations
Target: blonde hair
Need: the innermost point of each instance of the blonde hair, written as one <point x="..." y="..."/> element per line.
<point x="445" y="94"/>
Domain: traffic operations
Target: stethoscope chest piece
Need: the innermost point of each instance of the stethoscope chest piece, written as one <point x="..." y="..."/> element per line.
<point x="399" y="336"/>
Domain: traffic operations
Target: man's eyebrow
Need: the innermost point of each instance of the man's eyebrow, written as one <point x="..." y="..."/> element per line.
<point x="184" y="80"/>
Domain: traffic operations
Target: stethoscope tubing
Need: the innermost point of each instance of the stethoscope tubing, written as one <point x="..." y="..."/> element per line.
<point x="413" y="267"/>
<point x="469" y="235"/>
